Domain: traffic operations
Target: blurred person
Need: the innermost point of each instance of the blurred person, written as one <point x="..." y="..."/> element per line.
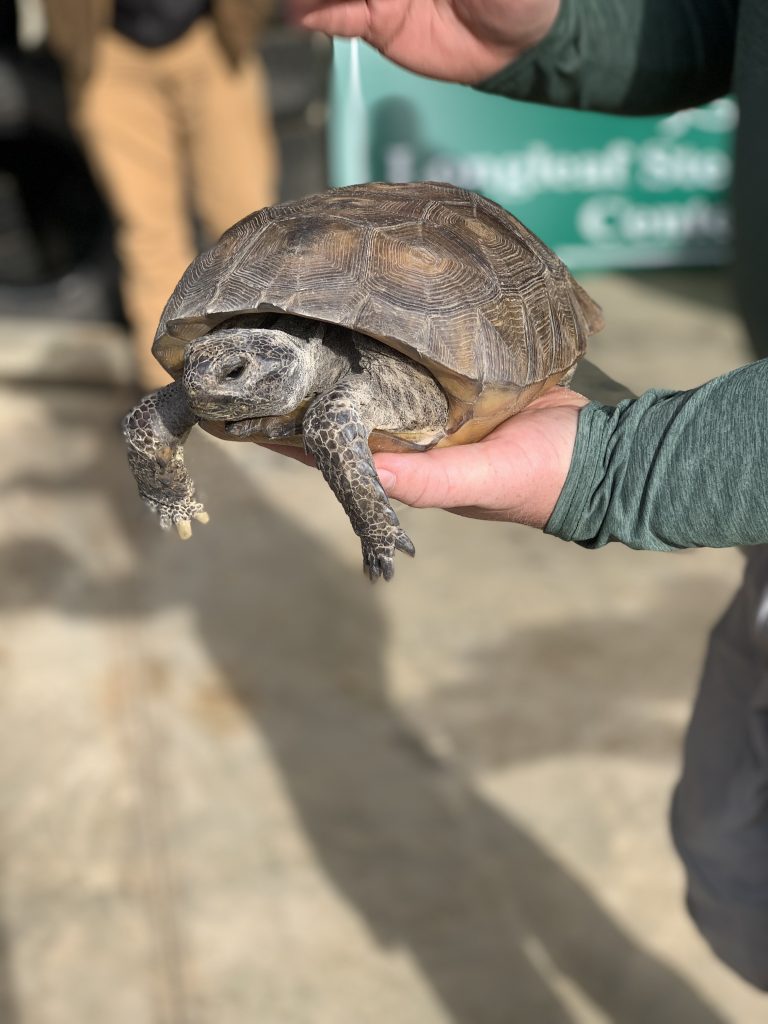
<point x="170" y="100"/>
<point x="8" y="26"/>
<point x="670" y="469"/>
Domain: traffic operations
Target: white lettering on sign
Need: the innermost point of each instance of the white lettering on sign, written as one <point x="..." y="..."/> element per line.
<point x="400" y="162"/>
<point x="536" y="169"/>
<point x="608" y="219"/>
<point x="656" y="165"/>
<point x="662" y="167"/>
<point x="719" y="117"/>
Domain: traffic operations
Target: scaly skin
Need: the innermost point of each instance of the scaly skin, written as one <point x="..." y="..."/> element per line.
<point x="335" y="433"/>
<point x="155" y="431"/>
<point x="256" y="376"/>
<point x="383" y="390"/>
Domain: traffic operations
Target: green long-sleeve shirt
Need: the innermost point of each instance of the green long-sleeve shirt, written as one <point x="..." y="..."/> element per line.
<point x="671" y="469"/>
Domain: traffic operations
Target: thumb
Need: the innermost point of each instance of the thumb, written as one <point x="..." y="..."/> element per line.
<point x="439" y="478"/>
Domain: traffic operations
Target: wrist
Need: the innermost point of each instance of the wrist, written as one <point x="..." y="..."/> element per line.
<point x="552" y="431"/>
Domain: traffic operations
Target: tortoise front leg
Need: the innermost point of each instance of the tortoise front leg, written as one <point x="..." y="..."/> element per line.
<point x="155" y="432"/>
<point x="336" y="434"/>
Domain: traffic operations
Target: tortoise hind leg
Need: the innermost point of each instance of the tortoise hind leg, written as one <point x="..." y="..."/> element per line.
<point x="155" y="432"/>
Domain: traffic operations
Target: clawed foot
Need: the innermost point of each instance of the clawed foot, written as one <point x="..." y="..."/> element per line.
<point x="166" y="488"/>
<point x="184" y="526"/>
<point x="155" y="431"/>
<point x="379" y="549"/>
<point x="179" y="512"/>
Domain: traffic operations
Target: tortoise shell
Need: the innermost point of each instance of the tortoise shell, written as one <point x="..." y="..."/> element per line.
<point x="441" y="274"/>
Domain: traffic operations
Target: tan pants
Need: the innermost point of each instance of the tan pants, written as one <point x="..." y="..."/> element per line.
<point x="167" y="131"/>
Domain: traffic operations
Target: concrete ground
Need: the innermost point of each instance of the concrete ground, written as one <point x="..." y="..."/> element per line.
<point x="240" y="784"/>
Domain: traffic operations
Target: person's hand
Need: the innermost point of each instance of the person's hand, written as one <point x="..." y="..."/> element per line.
<point x="458" y="40"/>
<point x="515" y="474"/>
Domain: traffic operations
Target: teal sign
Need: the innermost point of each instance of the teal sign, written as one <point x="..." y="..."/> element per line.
<point x="602" y="191"/>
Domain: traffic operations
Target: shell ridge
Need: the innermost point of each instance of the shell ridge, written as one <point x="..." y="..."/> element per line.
<point x="248" y="246"/>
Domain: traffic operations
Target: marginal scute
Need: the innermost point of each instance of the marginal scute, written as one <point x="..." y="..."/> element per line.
<point x="445" y="276"/>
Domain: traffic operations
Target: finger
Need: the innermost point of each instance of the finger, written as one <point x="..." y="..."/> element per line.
<point x="335" y="19"/>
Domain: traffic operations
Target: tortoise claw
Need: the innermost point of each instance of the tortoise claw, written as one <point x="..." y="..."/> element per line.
<point x="379" y="554"/>
<point x="184" y="526"/>
<point x="405" y="544"/>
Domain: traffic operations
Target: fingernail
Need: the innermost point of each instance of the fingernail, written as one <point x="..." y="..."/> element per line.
<point x="387" y="479"/>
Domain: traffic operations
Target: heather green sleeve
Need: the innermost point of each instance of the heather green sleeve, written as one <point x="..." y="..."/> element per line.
<point x="672" y="469"/>
<point x="627" y="56"/>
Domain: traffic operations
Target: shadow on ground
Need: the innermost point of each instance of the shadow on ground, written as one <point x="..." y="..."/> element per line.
<point x="501" y="713"/>
<point x="429" y="864"/>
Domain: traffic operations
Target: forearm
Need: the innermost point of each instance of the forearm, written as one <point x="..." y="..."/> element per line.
<point x="672" y="469"/>
<point x="627" y="56"/>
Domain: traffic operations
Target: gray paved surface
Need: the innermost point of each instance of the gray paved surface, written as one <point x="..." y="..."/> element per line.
<point x="239" y="784"/>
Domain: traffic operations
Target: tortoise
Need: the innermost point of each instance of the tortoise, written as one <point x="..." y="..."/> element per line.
<point x="366" y="318"/>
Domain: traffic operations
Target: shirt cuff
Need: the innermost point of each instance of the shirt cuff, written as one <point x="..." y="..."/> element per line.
<point x="573" y="514"/>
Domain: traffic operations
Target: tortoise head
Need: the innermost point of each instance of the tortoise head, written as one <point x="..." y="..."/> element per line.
<point x="244" y="368"/>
